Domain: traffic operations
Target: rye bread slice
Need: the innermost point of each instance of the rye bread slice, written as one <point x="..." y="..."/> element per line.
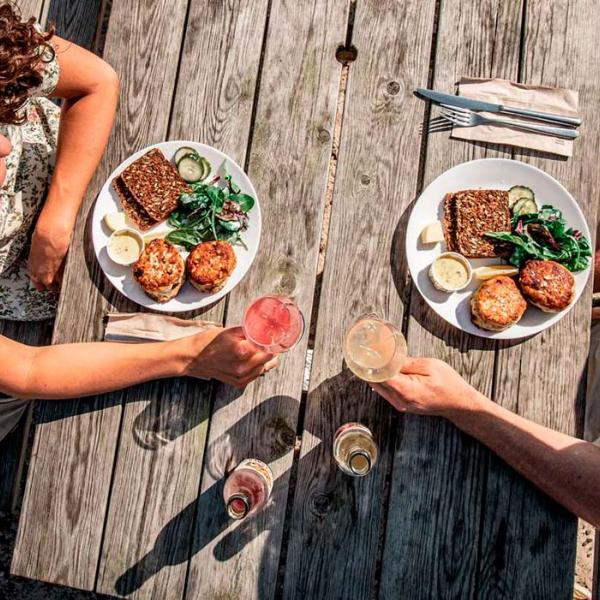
<point x="477" y="212"/>
<point x="154" y="184"/>
<point x="132" y="209"/>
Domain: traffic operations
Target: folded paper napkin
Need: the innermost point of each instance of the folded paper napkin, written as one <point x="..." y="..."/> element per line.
<point x="559" y="101"/>
<point x="146" y="327"/>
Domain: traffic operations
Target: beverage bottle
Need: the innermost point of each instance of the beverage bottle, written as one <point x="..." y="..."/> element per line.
<point x="354" y="449"/>
<point x="248" y="488"/>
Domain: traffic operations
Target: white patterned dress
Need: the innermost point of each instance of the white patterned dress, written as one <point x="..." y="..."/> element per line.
<point x="29" y="169"/>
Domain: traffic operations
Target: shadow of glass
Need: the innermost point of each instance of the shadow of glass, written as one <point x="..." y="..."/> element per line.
<point x="204" y="519"/>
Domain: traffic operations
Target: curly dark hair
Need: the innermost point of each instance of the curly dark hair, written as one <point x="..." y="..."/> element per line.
<point x="23" y="49"/>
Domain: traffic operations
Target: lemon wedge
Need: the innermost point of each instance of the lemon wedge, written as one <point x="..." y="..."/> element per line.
<point x="154" y="236"/>
<point x="490" y="271"/>
<point x="115" y="220"/>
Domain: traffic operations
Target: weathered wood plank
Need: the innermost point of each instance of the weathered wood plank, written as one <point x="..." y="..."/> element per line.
<point x="67" y="490"/>
<point x="337" y="521"/>
<point x="291" y="146"/>
<point x="147" y="538"/>
<point x="437" y="479"/>
<point x="76" y="20"/>
<point x="31" y="8"/>
<point x="538" y="539"/>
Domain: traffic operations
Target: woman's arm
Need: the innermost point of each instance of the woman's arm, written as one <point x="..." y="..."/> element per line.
<point x="566" y="468"/>
<point x="90" y="88"/>
<point x="73" y="370"/>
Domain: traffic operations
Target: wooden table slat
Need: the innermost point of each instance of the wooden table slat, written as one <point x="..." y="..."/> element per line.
<point x="75" y="443"/>
<point x="151" y="510"/>
<point x="543" y="378"/>
<point x="438" y="474"/>
<point x="337" y="521"/>
<point x="31" y="8"/>
<point x="288" y="163"/>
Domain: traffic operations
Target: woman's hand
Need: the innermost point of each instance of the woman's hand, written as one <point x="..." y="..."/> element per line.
<point x="226" y="355"/>
<point x="428" y="386"/>
<point x="49" y="246"/>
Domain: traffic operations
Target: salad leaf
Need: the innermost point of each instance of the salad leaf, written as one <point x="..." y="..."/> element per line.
<point x="212" y="211"/>
<point x="565" y="245"/>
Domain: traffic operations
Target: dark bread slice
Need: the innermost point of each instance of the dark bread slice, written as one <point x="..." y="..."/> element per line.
<point x="154" y="184"/>
<point x="449" y="221"/>
<point x="477" y="212"/>
<point x="132" y="209"/>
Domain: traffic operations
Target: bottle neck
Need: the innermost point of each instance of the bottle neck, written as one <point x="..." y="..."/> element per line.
<point x="238" y="505"/>
<point x="359" y="461"/>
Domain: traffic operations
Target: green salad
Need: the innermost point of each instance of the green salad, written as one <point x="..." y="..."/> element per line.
<point x="217" y="210"/>
<point x="544" y="235"/>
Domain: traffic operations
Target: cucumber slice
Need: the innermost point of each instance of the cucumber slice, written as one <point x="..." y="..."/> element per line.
<point x="517" y="192"/>
<point x="185" y="151"/>
<point x="207" y="167"/>
<point x="524" y="206"/>
<point x="190" y="170"/>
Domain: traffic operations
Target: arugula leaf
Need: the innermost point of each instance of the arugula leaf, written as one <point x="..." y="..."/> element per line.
<point x="245" y="201"/>
<point x="573" y="249"/>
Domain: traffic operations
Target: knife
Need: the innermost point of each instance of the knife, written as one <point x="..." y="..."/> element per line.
<point x="497" y="108"/>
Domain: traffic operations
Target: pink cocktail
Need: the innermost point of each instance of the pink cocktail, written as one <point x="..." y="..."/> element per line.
<point x="273" y="323"/>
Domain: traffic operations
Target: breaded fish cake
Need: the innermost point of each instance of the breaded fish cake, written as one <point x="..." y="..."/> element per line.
<point x="497" y="304"/>
<point x="160" y="270"/>
<point x="209" y="265"/>
<point x="547" y="284"/>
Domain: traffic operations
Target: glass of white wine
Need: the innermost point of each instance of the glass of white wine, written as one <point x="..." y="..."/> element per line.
<point x="374" y="349"/>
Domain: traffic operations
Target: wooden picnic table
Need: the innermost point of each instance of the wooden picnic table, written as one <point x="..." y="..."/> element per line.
<point x="439" y="516"/>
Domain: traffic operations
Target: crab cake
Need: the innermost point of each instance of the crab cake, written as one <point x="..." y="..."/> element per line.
<point x="160" y="270"/>
<point x="497" y="304"/>
<point x="547" y="284"/>
<point x="209" y="265"/>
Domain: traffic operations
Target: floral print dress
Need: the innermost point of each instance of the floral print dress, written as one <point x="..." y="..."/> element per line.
<point x="29" y="170"/>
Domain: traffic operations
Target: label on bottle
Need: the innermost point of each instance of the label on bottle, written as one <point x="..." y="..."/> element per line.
<point x="261" y="468"/>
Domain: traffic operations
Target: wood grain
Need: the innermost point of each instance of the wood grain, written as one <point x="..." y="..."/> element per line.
<point x="336" y="521"/>
<point x="74" y="449"/>
<point x="76" y="20"/>
<point x="31" y="8"/>
<point x="288" y="163"/>
<point x="437" y="479"/>
<point x="151" y="514"/>
<point x="537" y="539"/>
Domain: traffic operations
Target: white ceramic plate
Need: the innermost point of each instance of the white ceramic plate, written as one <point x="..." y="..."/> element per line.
<point x="492" y="173"/>
<point x="188" y="298"/>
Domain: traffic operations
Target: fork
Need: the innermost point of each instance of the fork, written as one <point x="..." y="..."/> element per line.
<point x="463" y="117"/>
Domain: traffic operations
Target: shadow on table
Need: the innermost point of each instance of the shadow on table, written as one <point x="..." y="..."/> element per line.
<point x="207" y="516"/>
<point x="208" y="512"/>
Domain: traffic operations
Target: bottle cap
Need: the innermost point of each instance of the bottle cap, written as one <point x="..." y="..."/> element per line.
<point x="238" y="506"/>
<point x="360" y="462"/>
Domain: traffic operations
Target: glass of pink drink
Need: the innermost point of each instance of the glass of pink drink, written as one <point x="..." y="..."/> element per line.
<point x="273" y="323"/>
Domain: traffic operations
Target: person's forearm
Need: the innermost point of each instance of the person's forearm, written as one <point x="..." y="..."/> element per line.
<point x="73" y="370"/>
<point x="566" y="468"/>
<point x="85" y="126"/>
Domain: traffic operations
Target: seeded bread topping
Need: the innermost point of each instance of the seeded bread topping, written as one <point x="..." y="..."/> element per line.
<point x="155" y="184"/>
<point x="469" y="214"/>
